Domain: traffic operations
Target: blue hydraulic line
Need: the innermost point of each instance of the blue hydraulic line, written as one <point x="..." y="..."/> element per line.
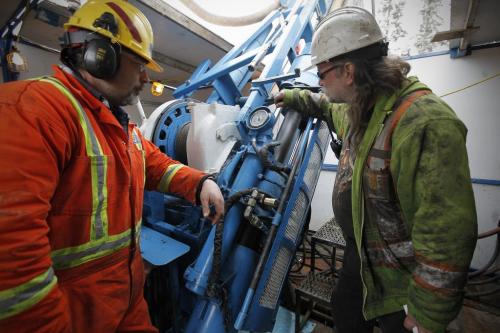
<point x="481" y="181"/>
<point x="330" y="167"/>
<point x="486" y="181"/>
<point x="454" y="52"/>
<point x="426" y="55"/>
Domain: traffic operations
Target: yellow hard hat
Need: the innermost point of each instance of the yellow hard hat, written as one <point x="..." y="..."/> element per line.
<point x="130" y="28"/>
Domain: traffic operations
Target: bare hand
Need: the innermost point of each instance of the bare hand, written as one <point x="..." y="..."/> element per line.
<point x="411" y="322"/>
<point x="278" y="99"/>
<point x="211" y="195"/>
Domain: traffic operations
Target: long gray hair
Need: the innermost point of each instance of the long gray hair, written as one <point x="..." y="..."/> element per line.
<point x="384" y="75"/>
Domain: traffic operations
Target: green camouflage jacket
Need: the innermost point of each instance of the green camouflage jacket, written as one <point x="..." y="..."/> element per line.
<point x="430" y="174"/>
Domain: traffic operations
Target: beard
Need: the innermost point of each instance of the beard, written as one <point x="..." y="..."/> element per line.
<point x="332" y="98"/>
<point x="132" y="98"/>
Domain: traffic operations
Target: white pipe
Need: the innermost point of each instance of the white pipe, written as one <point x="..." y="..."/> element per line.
<point x="140" y="109"/>
<point x="231" y="21"/>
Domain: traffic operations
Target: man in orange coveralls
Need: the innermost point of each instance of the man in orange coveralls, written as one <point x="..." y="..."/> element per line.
<point x="73" y="172"/>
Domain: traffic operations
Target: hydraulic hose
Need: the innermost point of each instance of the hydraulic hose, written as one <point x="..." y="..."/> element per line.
<point x="272" y="231"/>
<point x="216" y="289"/>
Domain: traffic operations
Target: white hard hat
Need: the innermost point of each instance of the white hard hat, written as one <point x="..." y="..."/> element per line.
<point x="346" y="30"/>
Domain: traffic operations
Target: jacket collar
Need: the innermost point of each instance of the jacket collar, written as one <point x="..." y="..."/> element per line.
<point x="79" y="87"/>
<point x="86" y="94"/>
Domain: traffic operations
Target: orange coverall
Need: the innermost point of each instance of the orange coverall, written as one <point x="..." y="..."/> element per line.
<point x="71" y="194"/>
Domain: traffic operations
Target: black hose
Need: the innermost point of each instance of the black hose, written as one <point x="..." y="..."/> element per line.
<point x="482" y="293"/>
<point x="485" y="281"/>
<point x="214" y="288"/>
<point x="493" y="258"/>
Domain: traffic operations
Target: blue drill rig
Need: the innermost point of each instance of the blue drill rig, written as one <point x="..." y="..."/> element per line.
<point x="231" y="276"/>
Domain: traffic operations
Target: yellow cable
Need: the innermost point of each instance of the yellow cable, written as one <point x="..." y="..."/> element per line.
<point x="471" y="85"/>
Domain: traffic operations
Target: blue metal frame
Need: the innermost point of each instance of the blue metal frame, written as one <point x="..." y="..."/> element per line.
<point x="481" y="181"/>
<point x="245" y="169"/>
<point x="257" y="311"/>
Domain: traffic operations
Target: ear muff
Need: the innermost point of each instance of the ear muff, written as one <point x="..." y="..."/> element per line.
<point x="101" y="58"/>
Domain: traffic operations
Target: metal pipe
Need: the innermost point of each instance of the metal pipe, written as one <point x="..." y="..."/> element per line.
<point x="30" y="42"/>
<point x="140" y="109"/>
<point x="270" y="39"/>
<point x="287" y="134"/>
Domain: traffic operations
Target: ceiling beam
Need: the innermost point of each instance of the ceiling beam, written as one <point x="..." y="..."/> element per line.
<point x="172" y="62"/>
<point x="173" y="14"/>
<point x="452" y="34"/>
<point x="468" y="25"/>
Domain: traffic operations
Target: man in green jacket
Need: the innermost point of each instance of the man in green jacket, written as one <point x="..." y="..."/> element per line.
<point x="402" y="194"/>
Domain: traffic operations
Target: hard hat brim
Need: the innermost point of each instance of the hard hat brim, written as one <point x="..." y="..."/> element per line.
<point x="153" y="65"/>
<point x="309" y="68"/>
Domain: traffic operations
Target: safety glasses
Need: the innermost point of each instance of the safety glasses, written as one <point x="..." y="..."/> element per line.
<point x="139" y="62"/>
<point x="322" y="75"/>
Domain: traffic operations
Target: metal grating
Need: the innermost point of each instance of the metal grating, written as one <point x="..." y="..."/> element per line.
<point x="313" y="168"/>
<point x="330" y="232"/>
<point x="323" y="136"/>
<point x="294" y="225"/>
<point x="316" y="159"/>
<point x="272" y="289"/>
<point x="318" y="285"/>
<point x="271" y="293"/>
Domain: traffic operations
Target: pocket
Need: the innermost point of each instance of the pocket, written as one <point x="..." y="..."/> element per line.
<point x="379" y="184"/>
<point x="383" y="206"/>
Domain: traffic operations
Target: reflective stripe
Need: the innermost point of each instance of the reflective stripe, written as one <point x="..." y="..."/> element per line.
<point x="167" y="176"/>
<point x="22" y="297"/>
<point x="77" y="255"/>
<point x="439" y="278"/>
<point x="98" y="167"/>
<point x="100" y="243"/>
<point x="136" y="139"/>
<point x="392" y="256"/>
<point x="138" y="231"/>
<point x="402" y="249"/>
